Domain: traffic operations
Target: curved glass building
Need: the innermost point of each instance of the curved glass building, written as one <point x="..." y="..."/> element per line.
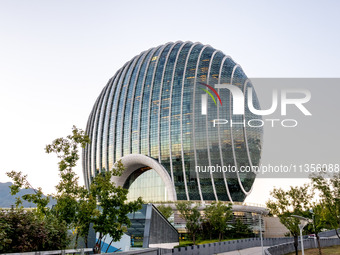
<point x="151" y="116"/>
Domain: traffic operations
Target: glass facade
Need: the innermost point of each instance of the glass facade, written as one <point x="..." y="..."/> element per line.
<point x="152" y="106"/>
<point x="146" y="183"/>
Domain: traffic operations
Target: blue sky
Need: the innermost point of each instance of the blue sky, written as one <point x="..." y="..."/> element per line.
<point x="56" y="56"/>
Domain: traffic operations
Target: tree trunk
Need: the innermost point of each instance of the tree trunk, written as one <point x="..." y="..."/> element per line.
<point x="219" y="237"/>
<point x="102" y="243"/>
<point x="193" y="239"/>
<point x="319" y="246"/>
<point x="76" y="242"/>
<point x="97" y="249"/>
<point x="109" y="245"/>
<point x="296" y="243"/>
<point x="336" y="231"/>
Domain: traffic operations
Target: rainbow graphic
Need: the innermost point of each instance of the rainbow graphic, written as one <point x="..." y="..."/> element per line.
<point x="209" y="93"/>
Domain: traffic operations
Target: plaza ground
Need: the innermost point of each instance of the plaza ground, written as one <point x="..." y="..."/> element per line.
<point x="249" y="251"/>
<point x="333" y="250"/>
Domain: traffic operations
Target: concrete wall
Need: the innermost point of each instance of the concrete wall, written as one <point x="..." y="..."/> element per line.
<point x="330" y="233"/>
<point x="307" y="243"/>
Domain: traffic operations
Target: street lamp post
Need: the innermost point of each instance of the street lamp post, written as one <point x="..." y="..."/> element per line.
<point x="261" y="233"/>
<point x="303" y="222"/>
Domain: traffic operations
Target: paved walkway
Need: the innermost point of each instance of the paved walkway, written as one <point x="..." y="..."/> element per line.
<point x="252" y="251"/>
<point x="249" y="251"/>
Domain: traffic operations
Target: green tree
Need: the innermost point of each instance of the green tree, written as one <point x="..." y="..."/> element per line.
<point x="319" y="221"/>
<point x="166" y="211"/>
<point x="25" y="230"/>
<point x="241" y="230"/>
<point x="5" y="229"/>
<point x="192" y="216"/>
<point x="68" y="189"/>
<point x="112" y="217"/>
<point x="329" y="190"/>
<point x="217" y="216"/>
<point x="38" y="198"/>
<point x="74" y="205"/>
<point x="86" y="210"/>
<point x="295" y="201"/>
<point x="103" y="204"/>
<point x="34" y="230"/>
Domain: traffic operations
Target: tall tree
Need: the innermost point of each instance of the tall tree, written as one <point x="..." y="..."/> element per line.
<point x="241" y="230"/>
<point x="190" y="213"/>
<point x="166" y="211"/>
<point x="20" y="182"/>
<point x="103" y="204"/>
<point x="319" y="218"/>
<point x="217" y="216"/>
<point x="295" y="201"/>
<point x="111" y="218"/>
<point x="86" y="210"/>
<point x="329" y="190"/>
<point x="74" y="205"/>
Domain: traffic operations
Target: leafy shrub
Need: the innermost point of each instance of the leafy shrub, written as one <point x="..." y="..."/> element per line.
<point x="23" y="231"/>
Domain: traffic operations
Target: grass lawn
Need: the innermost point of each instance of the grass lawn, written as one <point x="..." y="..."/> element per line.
<point x="188" y="242"/>
<point x="332" y="250"/>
